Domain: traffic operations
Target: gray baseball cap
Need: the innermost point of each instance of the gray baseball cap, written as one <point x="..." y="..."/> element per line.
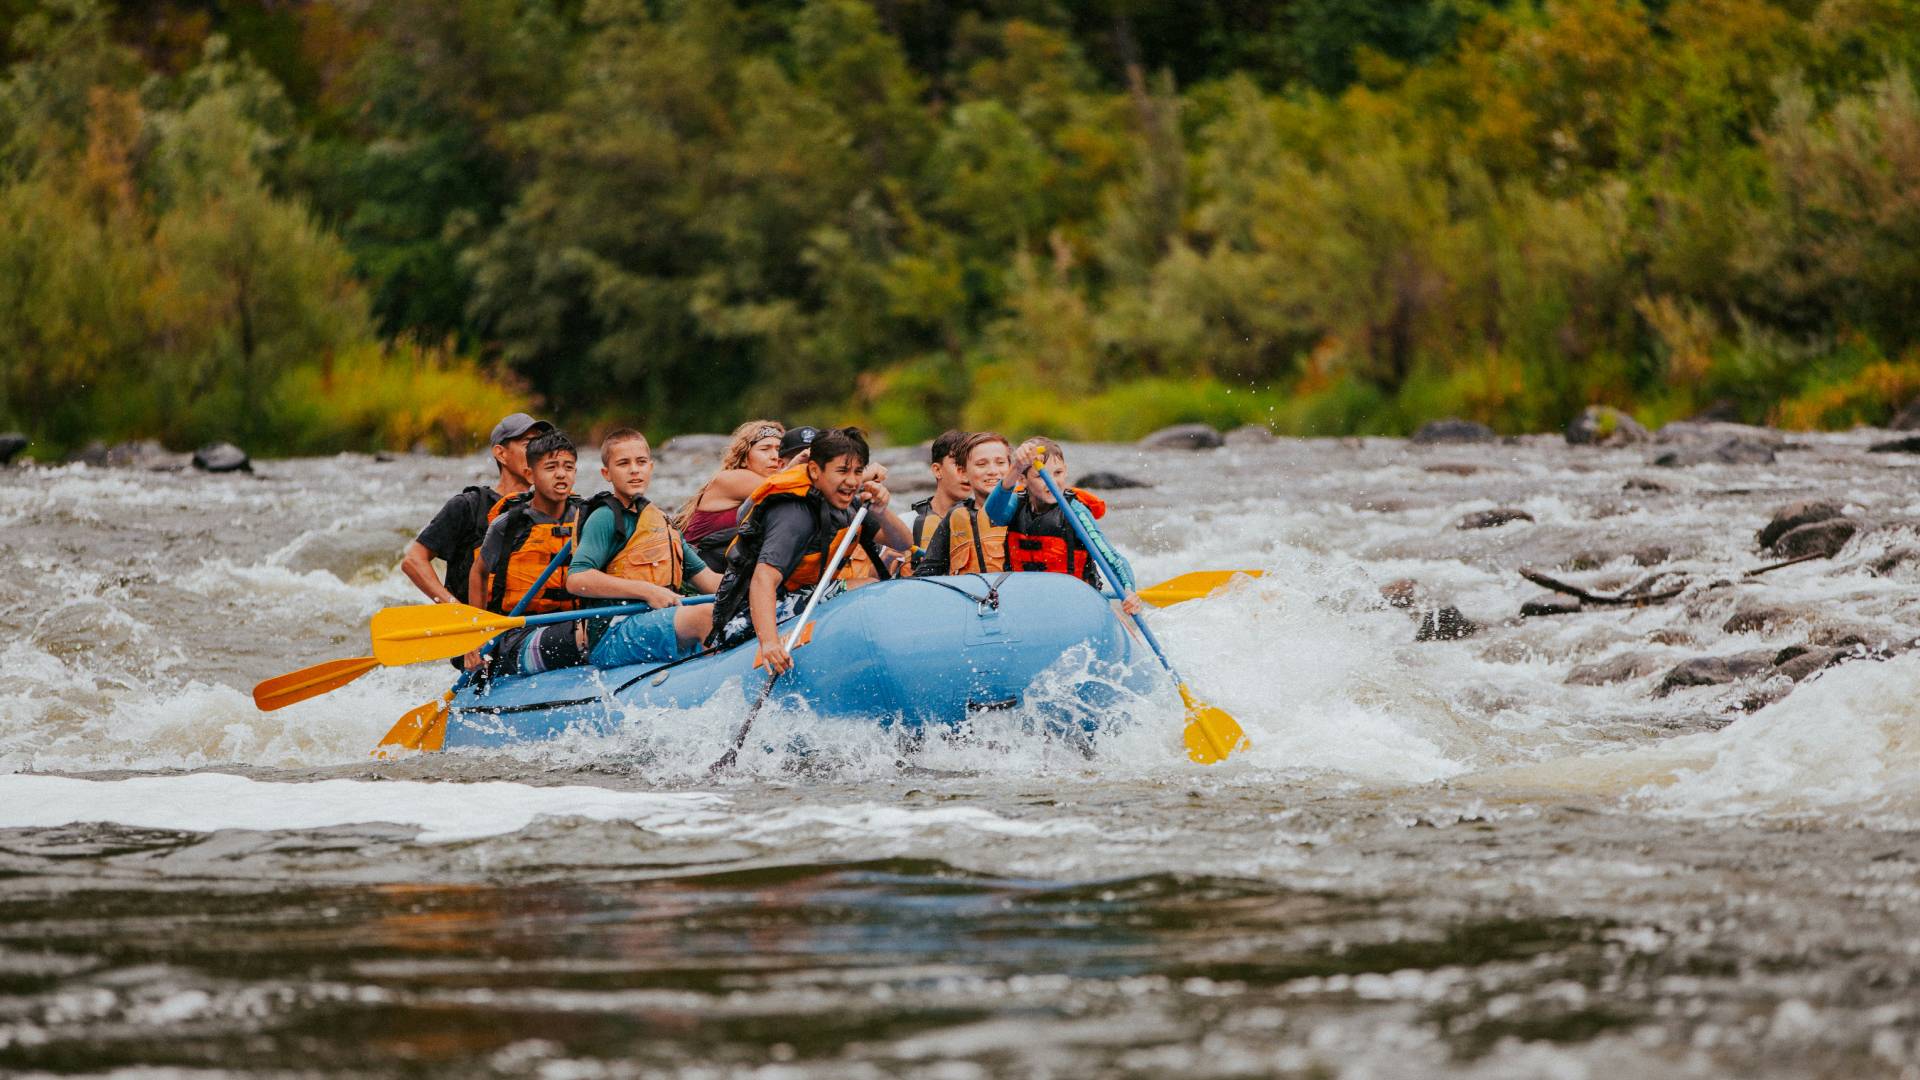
<point x="516" y="425"/>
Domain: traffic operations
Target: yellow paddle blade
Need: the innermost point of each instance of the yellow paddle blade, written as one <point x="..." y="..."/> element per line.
<point x="283" y="690"/>
<point x="1211" y="734"/>
<point x="1191" y="586"/>
<point x="423" y="728"/>
<point x="409" y="635"/>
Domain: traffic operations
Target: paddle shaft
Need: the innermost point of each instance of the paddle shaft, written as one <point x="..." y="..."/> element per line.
<point x="1100" y="563"/>
<point x="793" y="638"/>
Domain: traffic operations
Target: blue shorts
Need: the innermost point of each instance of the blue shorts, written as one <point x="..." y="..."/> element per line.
<point x="647" y="638"/>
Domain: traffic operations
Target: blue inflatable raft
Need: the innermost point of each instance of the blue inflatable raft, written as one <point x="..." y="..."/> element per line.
<point x="911" y="654"/>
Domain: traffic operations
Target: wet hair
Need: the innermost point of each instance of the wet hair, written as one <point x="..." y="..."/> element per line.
<point x="839" y="442"/>
<point x="1054" y="453"/>
<point x="553" y="442"/>
<point x="947" y="446"/>
<point x="619" y="434"/>
<point x="977" y="440"/>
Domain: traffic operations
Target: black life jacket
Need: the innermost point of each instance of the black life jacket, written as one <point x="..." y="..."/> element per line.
<point x="743" y="555"/>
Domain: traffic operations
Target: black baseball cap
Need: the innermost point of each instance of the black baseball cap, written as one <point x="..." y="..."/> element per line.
<point x="512" y="427"/>
<point x="797" y="439"/>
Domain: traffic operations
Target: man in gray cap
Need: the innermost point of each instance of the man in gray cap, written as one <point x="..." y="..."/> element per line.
<point x="455" y="532"/>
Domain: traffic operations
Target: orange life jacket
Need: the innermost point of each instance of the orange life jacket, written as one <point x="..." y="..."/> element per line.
<point x="653" y="553"/>
<point x="974" y="545"/>
<point x="530" y="546"/>
<point x="1051" y="545"/>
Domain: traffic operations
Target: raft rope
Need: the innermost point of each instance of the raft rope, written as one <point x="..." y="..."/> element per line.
<point x="991" y="601"/>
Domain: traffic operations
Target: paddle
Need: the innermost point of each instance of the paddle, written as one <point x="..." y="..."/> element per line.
<point x="417" y="632"/>
<point x="1191" y="586"/>
<point x="283" y="690"/>
<point x="1211" y="734"/>
<point x="424" y="727"/>
<point x="793" y="639"/>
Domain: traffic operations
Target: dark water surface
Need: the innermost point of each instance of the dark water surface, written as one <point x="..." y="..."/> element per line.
<point x="1439" y="859"/>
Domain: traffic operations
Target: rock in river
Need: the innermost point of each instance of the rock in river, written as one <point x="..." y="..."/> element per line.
<point x="222" y="457"/>
<point x="1795" y="514"/>
<point x="1251" y="435"/>
<point x="1109" y="481"/>
<point x="1714" y="670"/>
<point x="1183" y="437"/>
<point x="1823" y="538"/>
<point x="1603" y="425"/>
<point x="1489" y="519"/>
<point x="1452" y="430"/>
<point x="1908" y="445"/>
<point x="11" y="444"/>
<point x="1445" y="624"/>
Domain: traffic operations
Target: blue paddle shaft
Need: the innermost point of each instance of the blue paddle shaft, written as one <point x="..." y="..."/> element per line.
<point x="635" y="608"/>
<point x="566" y="550"/>
<point x="1100" y="562"/>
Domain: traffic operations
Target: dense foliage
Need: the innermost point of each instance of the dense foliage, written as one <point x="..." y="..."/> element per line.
<point x="348" y="222"/>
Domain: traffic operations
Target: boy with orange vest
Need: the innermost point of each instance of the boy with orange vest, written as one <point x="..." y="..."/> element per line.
<point x="529" y="532"/>
<point x="629" y="550"/>
<point x="789" y="531"/>
<point x="963" y="541"/>
<point x="1039" y="537"/>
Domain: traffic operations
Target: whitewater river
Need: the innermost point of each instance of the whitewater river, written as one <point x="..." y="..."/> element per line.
<point x="1438" y="858"/>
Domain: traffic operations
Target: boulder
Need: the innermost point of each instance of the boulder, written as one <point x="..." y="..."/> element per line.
<point x="1737" y="450"/>
<point x="1752" y="616"/>
<point x="1633" y="665"/>
<point x="1650" y="554"/>
<point x="1711" y="431"/>
<point x="1489" y="519"/>
<point x="94" y="454"/>
<point x="1109" y="481"/>
<point x="1800" y="661"/>
<point x="222" y="457"/>
<point x="1908" y="445"/>
<point x="1907" y="419"/>
<point x="1452" y="430"/>
<point x="1603" y="425"/>
<point x="696" y="445"/>
<point x="1822" y="538"/>
<point x="1251" y="435"/>
<point x="1795" y="514"/>
<point x="1183" y="437"/>
<point x="1714" y="670"/>
<point x="11" y="443"/>
<point x="1641" y="483"/>
<point x="1445" y="624"/>
<point x="1550" y="604"/>
<point x="1894" y="559"/>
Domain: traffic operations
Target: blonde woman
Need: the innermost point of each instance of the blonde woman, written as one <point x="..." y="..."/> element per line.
<point x="710" y="519"/>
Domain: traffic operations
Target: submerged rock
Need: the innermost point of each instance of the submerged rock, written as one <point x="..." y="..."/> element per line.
<point x="1795" y="514"/>
<point x="145" y="454"/>
<point x="1908" y="445"/>
<point x="1489" y="519"/>
<point x="1822" y="538"/>
<point x="1696" y="442"/>
<point x="1633" y="665"/>
<point x="1799" y="661"/>
<point x="221" y="458"/>
<point x="1452" y="430"/>
<point x="11" y="444"/>
<point x="1445" y="624"/>
<point x="1183" y="437"/>
<point x="1714" y="670"/>
<point x="1641" y="483"/>
<point x="1109" y="481"/>
<point x="1603" y="425"/>
<point x="1400" y="593"/>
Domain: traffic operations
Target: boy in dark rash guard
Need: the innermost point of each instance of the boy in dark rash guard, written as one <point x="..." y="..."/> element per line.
<point x="1039" y="536"/>
<point x="788" y="536"/>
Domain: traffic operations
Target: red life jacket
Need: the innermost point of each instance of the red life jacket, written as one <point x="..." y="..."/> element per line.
<point x="1045" y="540"/>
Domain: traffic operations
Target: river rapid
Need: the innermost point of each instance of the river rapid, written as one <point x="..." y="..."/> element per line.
<point x="1438" y="858"/>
